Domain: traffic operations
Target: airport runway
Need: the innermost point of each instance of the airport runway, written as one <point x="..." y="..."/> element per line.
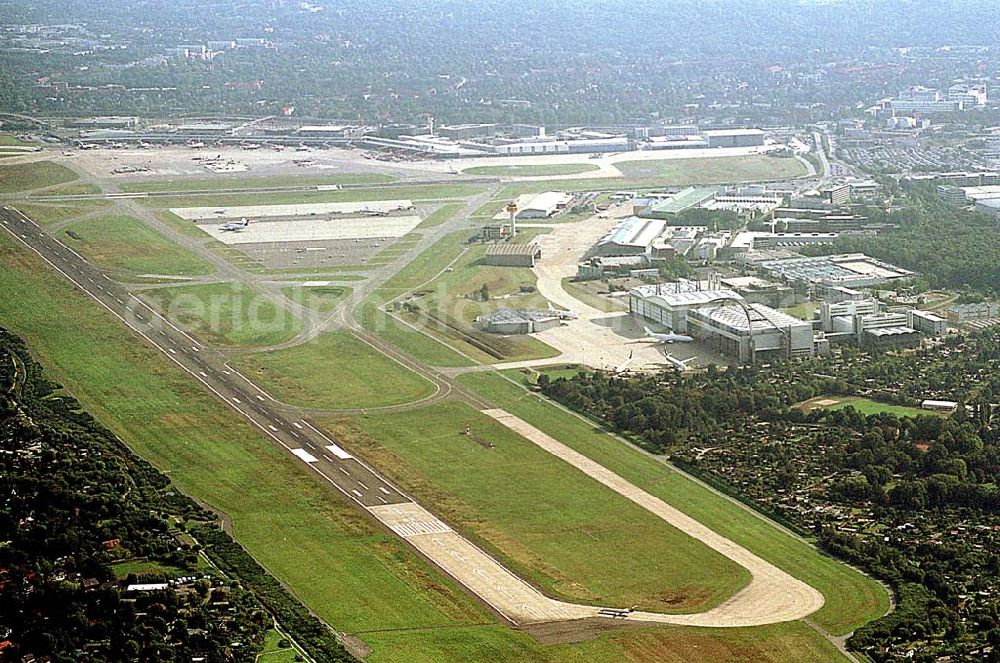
<point x="772" y="597"/>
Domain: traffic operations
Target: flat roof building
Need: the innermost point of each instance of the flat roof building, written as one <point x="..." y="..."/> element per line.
<point x="506" y="254"/>
<point x="734" y="137"/>
<point x="852" y="270"/>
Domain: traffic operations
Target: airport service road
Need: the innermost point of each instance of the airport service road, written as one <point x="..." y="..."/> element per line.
<point x="772" y="596"/>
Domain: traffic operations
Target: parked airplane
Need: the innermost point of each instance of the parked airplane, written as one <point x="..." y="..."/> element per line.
<point x="196" y="144"/>
<point x="680" y="364"/>
<point x="374" y="212"/>
<point x="666" y="338"/>
<point x="235" y="226"/>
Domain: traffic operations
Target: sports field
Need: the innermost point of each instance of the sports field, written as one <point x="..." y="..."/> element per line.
<point x="851" y="598"/>
<point x="122" y="243"/>
<point x="561" y="529"/>
<point x="714" y="170"/>
<point x="373" y="586"/>
<point x="335" y="371"/>
<point x="535" y="170"/>
<point x="225" y="314"/>
<point x="34" y="175"/>
<point x="865" y="406"/>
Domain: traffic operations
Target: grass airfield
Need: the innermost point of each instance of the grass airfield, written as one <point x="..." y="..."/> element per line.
<point x="374" y="586"/>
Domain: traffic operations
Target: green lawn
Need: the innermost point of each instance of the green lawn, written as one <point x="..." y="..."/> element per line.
<point x="234" y="183"/>
<point x="72" y="190"/>
<point x="44" y="214"/>
<point x="865" y="406"/>
<point x="440" y="215"/>
<point x="534" y="170"/>
<point x="336" y="371"/>
<point x="560" y="528"/>
<point x="124" y="243"/>
<point x="419" y="271"/>
<point x="290" y="521"/>
<point x="714" y="170"/>
<point x="295" y="525"/>
<point x="851" y="598"/>
<point x="412" y="192"/>
<point x="225" y="314"/>
<point x="319" y="298"/>
<point x="34" y="175"/>
<point x="6" y="140"/>
<point x="792" y="642"/>
<point x="141" y="567"/>
<point x="273" y="652"/>
<point x="448" y="306"/>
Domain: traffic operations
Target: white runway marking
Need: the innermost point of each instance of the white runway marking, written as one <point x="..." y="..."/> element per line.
<point x="305" y="455"/>
<point x="363" y="486"/>
<point x="297" y="425"/>
<point x="344" y="471"/>
<point x="356" y="493"/>
<point x="338" y="452"/>
<point x="272" y="428"/>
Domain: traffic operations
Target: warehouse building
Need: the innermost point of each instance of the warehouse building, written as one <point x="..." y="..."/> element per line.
<point x="652" y="237"/>
<point x="734" y="137"/>
<point x="685" y="199"/>
<point x="752" y="333"/>
<point x="852" y="270"/>
<point x="668" y="304"/>
<point x="518" y="321"/>
<point x="543" y="205"/>
<point x="505" y="254"/>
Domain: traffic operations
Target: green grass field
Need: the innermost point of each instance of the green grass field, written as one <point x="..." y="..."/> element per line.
<point x="534" y="170"/>
<point x="414" y="192"/>
<point x="336" y="371"/>
<point x="865" y="406"/>
<point x="319" y="298"/>
<point x="71" y="190"/>
<point x="290" y="521"/>
<point x="792" y="642"/>
<point x="124" y="243"/>
<point x="235" y="183"/>
<point x="141" y="567"/>
<point x="295" y="525"/>
<point x="225" y="314"/>
<point x="561" y="529"/>
<point x="714" y="170"/>
<point x="34" y="175"/>
<point x="440" y="215"/>
<point x="45" y="214"/>
<point x="432" y="341"/>
<point x="6" y="140"/>
<point x="851" y="598"/>
<point x="579" y="291"/>
<point x="274" y="652"/>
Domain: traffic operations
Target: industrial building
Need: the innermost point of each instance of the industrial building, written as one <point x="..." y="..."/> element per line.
<point x="756" y="290"/>
<point x="506" y="254"/>
<point x="734" y="137"/>
<point x="960" y="314"/>
<point x="652" y="237"/>
<point x="668" y="304"/>
<point x="928" y="323"/>
<point x="864" y="322"/>
<point x="667" y="208"/>
<point x="751" y="333"/>
<point x="518" y="321"/>
<point x="542" y="205"/>
<point x="853" y="270"/>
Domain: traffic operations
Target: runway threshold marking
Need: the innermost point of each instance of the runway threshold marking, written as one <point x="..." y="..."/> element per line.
<point x="305" y="455"/>
<point x="338" y="452"/>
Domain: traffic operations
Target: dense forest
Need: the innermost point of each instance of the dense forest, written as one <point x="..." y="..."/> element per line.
<point x="101" y="559"/>
<point x="949" y="247"/>
<point x="912" y="500"/>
